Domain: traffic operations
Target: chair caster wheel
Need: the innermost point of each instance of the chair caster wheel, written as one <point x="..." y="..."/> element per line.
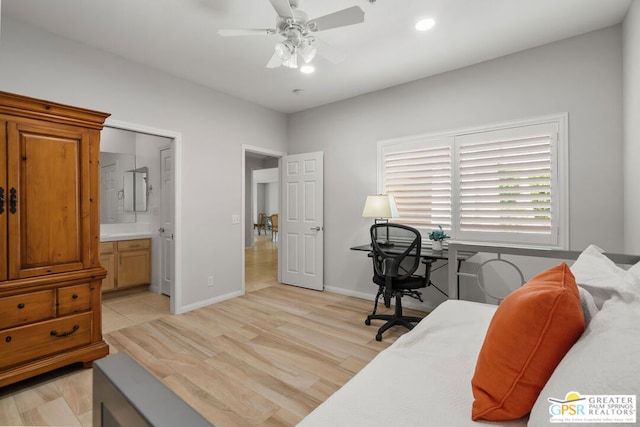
<point x="378" y="337"/>
<point x="367" y="322"/>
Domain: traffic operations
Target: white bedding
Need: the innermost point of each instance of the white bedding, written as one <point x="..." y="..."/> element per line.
<point x="435" y="362"/>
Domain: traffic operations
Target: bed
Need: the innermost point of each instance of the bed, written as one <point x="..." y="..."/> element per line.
<point x="425" y="377"/>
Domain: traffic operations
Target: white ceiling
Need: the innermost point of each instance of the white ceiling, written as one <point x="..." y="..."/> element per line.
<point x="179" y="37"/>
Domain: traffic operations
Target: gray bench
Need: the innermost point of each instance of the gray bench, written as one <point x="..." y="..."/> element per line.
<point x="125" y="394"/>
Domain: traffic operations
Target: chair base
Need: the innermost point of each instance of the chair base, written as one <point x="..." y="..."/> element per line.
<point x="392" y="321"/>
<point x="395" y="319"/>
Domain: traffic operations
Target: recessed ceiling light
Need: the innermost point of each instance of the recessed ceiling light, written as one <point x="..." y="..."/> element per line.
<point x="425" y="24"/>
<point x="307" y="69"/>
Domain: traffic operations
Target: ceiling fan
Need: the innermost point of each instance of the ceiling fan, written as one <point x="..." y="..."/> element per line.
<point x="294" y="25"/>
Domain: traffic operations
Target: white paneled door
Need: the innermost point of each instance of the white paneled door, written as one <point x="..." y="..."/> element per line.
<point x="301" y="221"/>
<point x="167" y="245"/>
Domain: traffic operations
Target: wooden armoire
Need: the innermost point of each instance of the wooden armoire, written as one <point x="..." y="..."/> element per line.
<point x="50" y="275"/>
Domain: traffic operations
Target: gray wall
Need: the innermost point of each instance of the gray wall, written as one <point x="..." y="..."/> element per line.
<point x="631" y="43"/>
<point x="212" y="125"/>
<point x="581" y="75"/>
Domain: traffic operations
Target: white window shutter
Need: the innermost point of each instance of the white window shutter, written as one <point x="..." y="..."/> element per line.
<point x="420" y="181"/>
<point x="506" y="185"/>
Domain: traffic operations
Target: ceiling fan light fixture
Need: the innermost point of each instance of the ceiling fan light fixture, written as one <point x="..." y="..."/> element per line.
<point x="307" y="69"/>
<point x="307" y="52"/>
<point x="425" y="24"/>
<point x="292" y="61"/>
<point x="285" y="50"/>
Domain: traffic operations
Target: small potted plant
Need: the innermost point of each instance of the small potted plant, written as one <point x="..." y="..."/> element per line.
<point x="438" y="236"/>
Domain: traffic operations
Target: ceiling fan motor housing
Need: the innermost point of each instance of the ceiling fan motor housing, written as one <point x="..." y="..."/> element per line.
<point x="296" y="28"/>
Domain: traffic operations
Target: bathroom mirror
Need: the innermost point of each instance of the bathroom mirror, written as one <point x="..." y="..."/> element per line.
<point x="113" y="167"/>
<point x="136" y="189"/>
<point x="124" y="186"/>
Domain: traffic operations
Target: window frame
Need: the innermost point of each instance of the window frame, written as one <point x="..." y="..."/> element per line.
<point x="559" y="236"/>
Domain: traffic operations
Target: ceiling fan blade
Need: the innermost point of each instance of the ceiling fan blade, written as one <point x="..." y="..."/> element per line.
<point x="283" y="8"/>
<point x="274" y="62"/>
<point x="247" y="32"/>
<point x="341" y="18"/>
<point x="329" y="52"/>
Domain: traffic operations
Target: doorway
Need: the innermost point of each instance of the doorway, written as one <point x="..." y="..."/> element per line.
<point x="260" y="267"/>
<point x="159" y="150"/>
<point x="261" y="257"/>
<point x="301" y="191"/>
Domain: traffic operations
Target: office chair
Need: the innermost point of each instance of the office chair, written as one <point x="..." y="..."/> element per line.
<point x="396" y="258"/>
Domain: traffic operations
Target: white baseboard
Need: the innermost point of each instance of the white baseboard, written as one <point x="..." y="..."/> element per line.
<point x="204" y="303"/>
<point x="407" y="302"/>
<point x="350" y="293"/>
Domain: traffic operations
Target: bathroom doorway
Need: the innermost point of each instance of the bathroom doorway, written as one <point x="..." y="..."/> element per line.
<point x="156" y="150"/>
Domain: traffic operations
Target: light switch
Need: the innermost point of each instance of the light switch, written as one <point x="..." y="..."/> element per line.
<point x="235" y="219"/>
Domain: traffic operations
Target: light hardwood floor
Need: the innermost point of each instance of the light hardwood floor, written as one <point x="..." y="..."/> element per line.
<point x="266" y="358"/>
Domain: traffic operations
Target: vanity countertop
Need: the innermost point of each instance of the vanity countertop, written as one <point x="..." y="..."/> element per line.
<point x="123" y="236"/>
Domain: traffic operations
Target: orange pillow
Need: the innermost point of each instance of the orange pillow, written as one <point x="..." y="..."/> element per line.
<point x="531" y="331"/>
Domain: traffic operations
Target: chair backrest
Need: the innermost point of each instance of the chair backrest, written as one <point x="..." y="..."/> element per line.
<point x="399" y="259"/>
<point x="262" y="218"/>
<point x="274" y="220"/>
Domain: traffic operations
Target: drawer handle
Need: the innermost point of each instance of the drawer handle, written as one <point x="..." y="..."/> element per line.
<point x="21" y="305"/>
<point x="65" y="334"/>
<point x="74" y="296"/>
<point x="8" y="339"/>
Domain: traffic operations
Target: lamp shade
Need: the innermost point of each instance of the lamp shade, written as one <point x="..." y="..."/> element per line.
<point x="380" y="206"/>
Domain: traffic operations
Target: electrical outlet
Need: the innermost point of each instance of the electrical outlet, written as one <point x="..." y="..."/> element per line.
<point x="235" y="219"/>
<point x="210" y="281"/>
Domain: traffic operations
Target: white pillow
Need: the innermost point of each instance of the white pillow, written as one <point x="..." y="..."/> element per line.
<point x="632" y="276"/>
<point x="602" y="278"/>
<point x="605" y="360"/>
<point x="589" y="308"/>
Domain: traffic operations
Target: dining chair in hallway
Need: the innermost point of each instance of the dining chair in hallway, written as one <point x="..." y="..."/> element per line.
<point x="262" y="223"/>
<point x="274" y="227"/>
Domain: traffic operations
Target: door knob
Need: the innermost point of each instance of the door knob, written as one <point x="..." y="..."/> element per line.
<point x="315" y="228"/>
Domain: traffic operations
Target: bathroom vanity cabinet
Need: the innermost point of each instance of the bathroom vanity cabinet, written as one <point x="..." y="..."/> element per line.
<point x="128" y="263"/>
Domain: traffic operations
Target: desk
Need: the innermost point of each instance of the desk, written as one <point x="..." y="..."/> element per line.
<point x="429" y="255"/>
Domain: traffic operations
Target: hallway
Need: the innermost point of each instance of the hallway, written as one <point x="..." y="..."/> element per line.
<point x="261" y="263"/>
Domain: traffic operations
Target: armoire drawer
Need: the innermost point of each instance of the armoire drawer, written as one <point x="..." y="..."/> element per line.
<point x="26" y="308"/>
<point x="24" y="343"/>
<point x="73" y="299"/>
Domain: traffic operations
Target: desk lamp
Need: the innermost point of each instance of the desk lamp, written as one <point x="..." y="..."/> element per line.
<point x="381" y="207"/>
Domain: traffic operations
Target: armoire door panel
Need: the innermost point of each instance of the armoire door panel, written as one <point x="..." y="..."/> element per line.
<point x="52" y="216"/>
<point x="4" y="200"/>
